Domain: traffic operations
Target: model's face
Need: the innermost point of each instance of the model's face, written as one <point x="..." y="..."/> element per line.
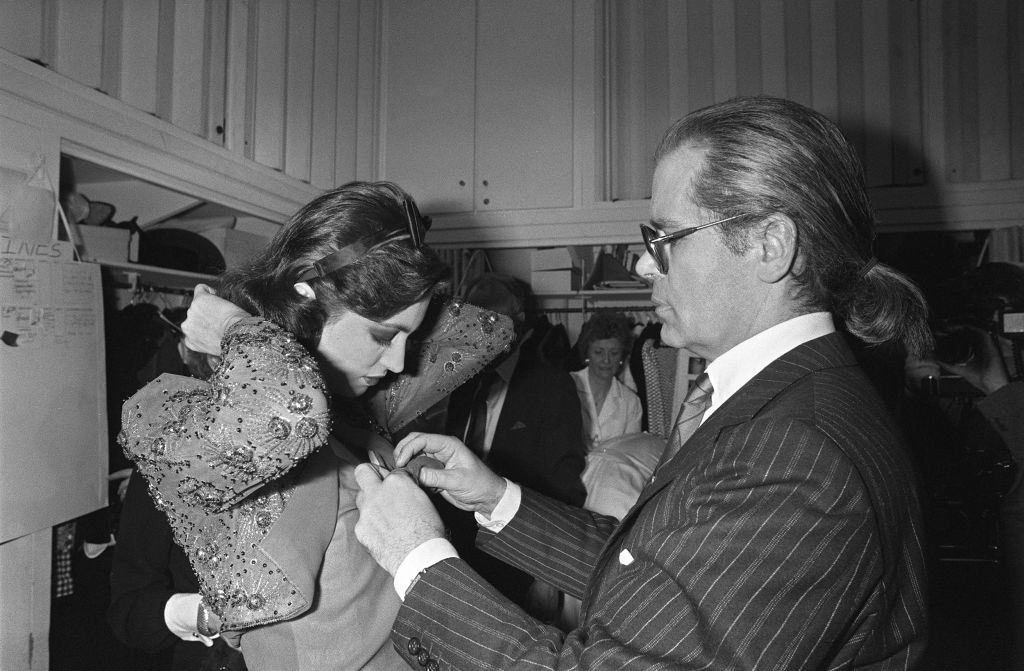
<point x="355" y="352"/>
<point x="605" y="357"/>
<point x="708" y="294"/>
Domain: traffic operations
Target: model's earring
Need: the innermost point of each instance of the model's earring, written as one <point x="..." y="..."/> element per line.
<point x="621" y="362"/>
<point x="586" y="362"/>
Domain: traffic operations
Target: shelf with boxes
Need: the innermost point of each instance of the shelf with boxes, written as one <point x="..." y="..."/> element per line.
<point x="148" y="236"/>
<point x="585" y="268"/>
<point x="598" y="295"/>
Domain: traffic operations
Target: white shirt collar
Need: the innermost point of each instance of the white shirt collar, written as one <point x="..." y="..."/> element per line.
<point x="740" y="364"/>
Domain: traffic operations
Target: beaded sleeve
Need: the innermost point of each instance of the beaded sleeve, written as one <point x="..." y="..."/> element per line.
<point x="220" y="458"/>
<point x="264" y="409"/>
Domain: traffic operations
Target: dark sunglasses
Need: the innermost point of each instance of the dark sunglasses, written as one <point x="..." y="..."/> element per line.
<point x="656" y="243"/>
<point x="416" y="225"/>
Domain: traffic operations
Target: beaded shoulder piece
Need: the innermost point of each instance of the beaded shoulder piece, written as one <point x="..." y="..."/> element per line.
<point x="461" y="340"/>
<point x="208" y="450"/>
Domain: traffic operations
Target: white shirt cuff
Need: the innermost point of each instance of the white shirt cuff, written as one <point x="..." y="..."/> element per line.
<point x="506" y="509"/>
<point x="181" y="613"/>
<point x="422" y="557"/>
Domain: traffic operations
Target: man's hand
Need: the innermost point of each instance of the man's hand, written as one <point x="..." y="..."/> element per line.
<point x="208" y="319"/>
<point x="121" y="478"/>
<point x="395" y="516"/>
<point x="465" y="481"/>
<point x="986" y="369"/>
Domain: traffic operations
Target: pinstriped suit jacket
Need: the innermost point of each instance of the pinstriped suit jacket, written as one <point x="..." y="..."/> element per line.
<point x="785" y="534"/>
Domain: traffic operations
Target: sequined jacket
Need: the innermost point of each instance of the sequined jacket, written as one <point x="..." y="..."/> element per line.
<point x="223" y="457"/>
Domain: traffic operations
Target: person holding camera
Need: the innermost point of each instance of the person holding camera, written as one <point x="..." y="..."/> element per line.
<point x="985" y="405"/>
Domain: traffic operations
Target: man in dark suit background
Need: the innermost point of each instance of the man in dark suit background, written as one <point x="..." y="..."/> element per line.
<point x="533" y="432"/>
<point x="523" y="419"/>
<point x="782" y="529"/>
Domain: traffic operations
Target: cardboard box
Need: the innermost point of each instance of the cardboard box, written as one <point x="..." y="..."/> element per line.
<point x="236" y="246"/>
<point x="555" y="281"/>
<point x="106" y="243"/>
<point x="553" y="258"/>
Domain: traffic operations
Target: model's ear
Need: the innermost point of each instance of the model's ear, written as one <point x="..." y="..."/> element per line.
<point x="303" y="289"/>
<point x="777" y="248"/>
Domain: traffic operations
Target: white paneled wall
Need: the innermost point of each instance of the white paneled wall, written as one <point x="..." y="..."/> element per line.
<point x="275" y="81"/>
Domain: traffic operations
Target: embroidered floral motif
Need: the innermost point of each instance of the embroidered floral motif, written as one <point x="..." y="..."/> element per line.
<point x="300" y="404"/>
<point x="255" y="602"/>
<point x="221" y="458"/>
<point x="487" y="321"/>
<point x="306" y="428"/>
<point x="279" y="427"/>
<point x="198" y="494"/>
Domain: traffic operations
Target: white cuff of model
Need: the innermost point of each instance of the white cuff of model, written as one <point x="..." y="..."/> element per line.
<point x="422" y="557"/>
<point x="181" y="613"/>
<point x="506" y="509"/>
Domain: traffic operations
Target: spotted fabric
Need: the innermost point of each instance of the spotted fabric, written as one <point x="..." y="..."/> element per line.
<point x="223" y="457"/>
<point x="465" y="338"/>
<point x="220" y="457"/>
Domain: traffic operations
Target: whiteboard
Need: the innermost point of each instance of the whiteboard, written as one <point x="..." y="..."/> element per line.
<point x="53" y="415"/>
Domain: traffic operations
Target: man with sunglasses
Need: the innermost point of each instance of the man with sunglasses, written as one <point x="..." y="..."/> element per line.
<point x="781" y="529"/>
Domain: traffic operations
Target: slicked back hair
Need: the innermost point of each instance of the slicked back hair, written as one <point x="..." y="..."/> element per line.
<point x="766" y="156"/>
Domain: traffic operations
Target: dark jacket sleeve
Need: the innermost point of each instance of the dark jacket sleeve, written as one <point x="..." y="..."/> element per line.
<point x="998" y="418"/>
<point x="147" y="568"/>
<point x="563" y="437"/>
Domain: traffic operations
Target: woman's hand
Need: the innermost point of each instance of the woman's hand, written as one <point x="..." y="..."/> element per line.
<point x="208" y="319"/>
<point x="465" y="481"/>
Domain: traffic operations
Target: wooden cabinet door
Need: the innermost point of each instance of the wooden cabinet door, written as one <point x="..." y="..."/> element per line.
<point x="427" y="106"/>
<point x="524" y="104"/>
<point x="477" y="103"/>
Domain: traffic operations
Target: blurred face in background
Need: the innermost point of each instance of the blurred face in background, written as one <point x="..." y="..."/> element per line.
<point x="605" y="358"/>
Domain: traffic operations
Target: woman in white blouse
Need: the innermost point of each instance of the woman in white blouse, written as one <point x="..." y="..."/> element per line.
<point x="610" y="408"/>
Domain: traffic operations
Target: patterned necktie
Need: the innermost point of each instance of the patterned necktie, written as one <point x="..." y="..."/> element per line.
<point x="476" y="427"/>
<point x="698" y="399"/>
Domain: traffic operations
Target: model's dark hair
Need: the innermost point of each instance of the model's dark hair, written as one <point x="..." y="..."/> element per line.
<point x="382" y="281"/>
<point x="605" y="326"/>
<point x="768" y="155"/>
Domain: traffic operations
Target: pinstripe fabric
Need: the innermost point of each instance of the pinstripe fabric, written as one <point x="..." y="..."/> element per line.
<point x="786" y="536"/>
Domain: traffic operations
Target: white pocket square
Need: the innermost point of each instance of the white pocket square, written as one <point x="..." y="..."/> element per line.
<point x="625" y="558"/>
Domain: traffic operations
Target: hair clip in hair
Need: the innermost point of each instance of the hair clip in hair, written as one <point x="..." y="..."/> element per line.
<point x="333" y="262"/>
<point x="418" y="224"/>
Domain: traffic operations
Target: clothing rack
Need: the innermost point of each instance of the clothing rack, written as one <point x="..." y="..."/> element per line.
<point x="145" y="279"/>
<point x="144" y="288"/>
<point x="586" y="309"/>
